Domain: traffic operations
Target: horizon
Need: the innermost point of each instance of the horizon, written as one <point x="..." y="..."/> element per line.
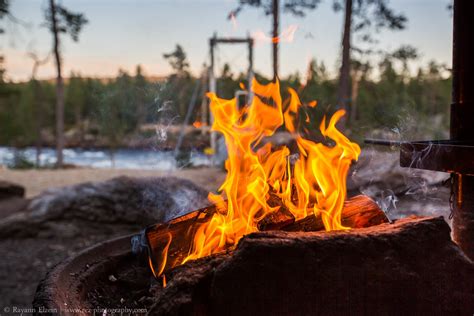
<point x="131" y="42"/>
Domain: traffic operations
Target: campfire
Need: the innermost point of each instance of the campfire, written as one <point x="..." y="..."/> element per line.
<point x="267" y="187"/>
<point x="282" y="237"/>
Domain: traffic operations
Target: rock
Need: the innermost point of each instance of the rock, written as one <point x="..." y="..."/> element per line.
<point x="12" y="206"/>
<point x="398" y="191"/>
<point x="409" y="267"/>
<point x="11" y="190"/>
<point x="135" y="202"/>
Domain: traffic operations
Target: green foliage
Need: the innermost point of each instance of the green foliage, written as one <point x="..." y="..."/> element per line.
<point x="227" y="85"/>
<point x="178" y="62"/>
<point x="295" y="7"/>
<point x="20" y="161"/>
<point x="67" y="21"/>
<point x="115" y="109"/>
<point x="177" y="90"/>
<point x="116" y="113"/>
<point x="4" y="10"/>
<point x="373" y="14"/>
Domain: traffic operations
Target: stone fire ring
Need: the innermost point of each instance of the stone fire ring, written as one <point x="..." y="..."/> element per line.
<point x="67" y="287"/>
<point x="409" y="267"/>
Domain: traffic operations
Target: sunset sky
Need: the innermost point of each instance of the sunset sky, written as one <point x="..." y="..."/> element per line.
<point x="124" y="33"/>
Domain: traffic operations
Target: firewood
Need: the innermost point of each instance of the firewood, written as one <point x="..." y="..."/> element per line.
<point x="181" y="230"/>
<point x="360" y="211"/>
<point x="276" y="220"/>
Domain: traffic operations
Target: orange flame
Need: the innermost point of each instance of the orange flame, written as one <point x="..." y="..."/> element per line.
<point x="287" y="35"/>
<point x="198" y="124"/>
<point x="313" y="184"/>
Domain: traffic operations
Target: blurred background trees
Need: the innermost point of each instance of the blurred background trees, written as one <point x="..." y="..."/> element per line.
<point x="117" y="107"/>
<point x="382" y="93"/>
<point x="363" y="18"/>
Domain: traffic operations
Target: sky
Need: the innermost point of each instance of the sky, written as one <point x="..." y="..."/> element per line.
<point x="124" y="33"/>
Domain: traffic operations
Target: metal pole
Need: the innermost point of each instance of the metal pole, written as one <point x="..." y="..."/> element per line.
<point x="212" y="79"/>
<point x="250" y="71"/>
<point x="212" y="89"/>
<point x="462" y="120"/>
<point x="204" y="105"/>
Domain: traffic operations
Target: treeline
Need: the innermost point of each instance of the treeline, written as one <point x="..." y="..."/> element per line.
<point x="112" y="110"/>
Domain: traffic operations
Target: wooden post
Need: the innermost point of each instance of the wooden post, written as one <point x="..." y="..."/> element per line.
<point x="212" y="88"/>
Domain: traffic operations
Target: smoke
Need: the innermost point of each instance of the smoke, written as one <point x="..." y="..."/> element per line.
<point x="166" y="117"/>
<point x="166" y="114"/>
<point x="400" y="191"/>
<point x="387" y="201"/>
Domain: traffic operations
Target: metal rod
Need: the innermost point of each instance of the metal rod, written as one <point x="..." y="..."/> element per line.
<point x="250" y="74"/>
<point x="231" y="40"/>
<point x="382" y="142"/>
<point x="212" y="79"/>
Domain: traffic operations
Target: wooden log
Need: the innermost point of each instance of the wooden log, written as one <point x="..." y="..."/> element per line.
<point x="276" y="220"/>
<point x="358" y="212"/>
<point x="170" y="243"/>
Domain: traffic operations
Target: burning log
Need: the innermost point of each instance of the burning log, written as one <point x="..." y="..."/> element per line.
<point x="170" y="243"/>
<point x="278" y="219"/>
<point x="358" y="212"/>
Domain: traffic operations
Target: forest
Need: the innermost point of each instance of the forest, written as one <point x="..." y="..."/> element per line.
<point x="108" y="110"/>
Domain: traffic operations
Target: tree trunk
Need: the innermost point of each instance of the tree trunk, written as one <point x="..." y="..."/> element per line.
<point x="141" y="109"/>
<point x="356" y="78"/>
<point x="59" y="88"/>
<point x="343" y="94"/>
<point x="276" y="22"/>
<point x="112" y="157"/>
<point x="38" y="120"/>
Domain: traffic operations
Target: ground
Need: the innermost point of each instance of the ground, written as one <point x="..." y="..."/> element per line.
<point x="36" y="181"/>
<point x="26" y="259"/>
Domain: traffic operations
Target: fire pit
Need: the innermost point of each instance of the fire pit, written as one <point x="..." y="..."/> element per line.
<point x="102" y="277"/>
<point x="410" y="266"/>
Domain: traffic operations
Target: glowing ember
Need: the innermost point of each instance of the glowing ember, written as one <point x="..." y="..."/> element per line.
<point x="198" y="124"/>
<point x="313" y="182"/>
